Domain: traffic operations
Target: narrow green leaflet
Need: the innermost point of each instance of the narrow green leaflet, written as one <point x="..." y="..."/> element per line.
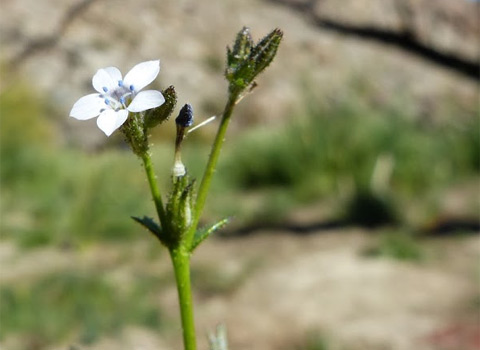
<point x="150" y="225"/>
<point x="201" y="235"/>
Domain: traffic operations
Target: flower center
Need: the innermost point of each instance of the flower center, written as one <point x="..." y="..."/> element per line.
<point x="120" y="97"/>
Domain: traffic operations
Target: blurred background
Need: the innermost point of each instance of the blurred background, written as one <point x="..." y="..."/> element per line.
<point x="351" y="175"/>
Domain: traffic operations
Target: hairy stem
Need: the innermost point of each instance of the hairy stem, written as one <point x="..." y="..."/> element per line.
<point x="181" y="264"/>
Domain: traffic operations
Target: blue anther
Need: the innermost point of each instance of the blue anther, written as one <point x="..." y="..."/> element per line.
<point x="107" y="102"/>
<point x="120" y="83"/>
<point x="105" y="89"/>
<point x="122" y="100"/>
<point x="132" y="88"/>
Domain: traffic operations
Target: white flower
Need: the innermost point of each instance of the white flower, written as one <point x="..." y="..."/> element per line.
<point x="116" y="96"/>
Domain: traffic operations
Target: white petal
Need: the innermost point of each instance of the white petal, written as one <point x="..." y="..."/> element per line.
<point x="111" y="120"/>
<point x="142" y="74"/>
<point x="88" y="107"/>
<point x="106" y="77"/>
<point x="114" y="73"/>
<point x="146" y="100"/>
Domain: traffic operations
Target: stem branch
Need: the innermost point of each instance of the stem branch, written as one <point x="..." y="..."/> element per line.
<point x="211" y="165"/>
<point x="157" y="198"/>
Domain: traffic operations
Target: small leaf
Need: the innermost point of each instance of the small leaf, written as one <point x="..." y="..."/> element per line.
<point x="202" y="235"/>
<point x="150" y="225"/>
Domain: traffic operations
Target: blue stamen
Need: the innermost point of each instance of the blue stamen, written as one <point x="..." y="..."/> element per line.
<point x="105" y="89"/>
<point x="132" y="88"/>
<point x="122" y="100"/>
<point x="120" y="83"/>
<point x="107" y="102"/>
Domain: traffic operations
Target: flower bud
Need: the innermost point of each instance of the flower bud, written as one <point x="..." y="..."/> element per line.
<point x="183" y="121"/>
<point x="158" y="115"/>
<point x="185" y="117"/>
<point x="241" y="49"/>
<point x="264" y="52"/>
<point x="247" y="60"/>
<point x="179" y="209"/>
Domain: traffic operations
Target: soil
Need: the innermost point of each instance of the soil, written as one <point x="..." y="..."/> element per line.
<point x="286" y="287"/>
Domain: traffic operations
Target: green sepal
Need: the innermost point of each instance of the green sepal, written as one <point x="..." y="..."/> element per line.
<point x="241" y="48"/>
<point x="203" y="234"/>
<point x="158" y="115"/>
<point x="264" y="52"/>
<point x="150" y="225"/>
<point x="179" y="209"/>
<point x="135" y="135"/>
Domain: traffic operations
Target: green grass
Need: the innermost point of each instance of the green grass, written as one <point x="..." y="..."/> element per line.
<point x="314" y="341"/>
<point x="397" y="245"/>
<point x="58" y="195"/>
<point x="76" y="307"/>
<point x="345" y="141"/>
<point x="53" y="194"/>
<point x="70" y="196"/>
<point x="332" y="152"/>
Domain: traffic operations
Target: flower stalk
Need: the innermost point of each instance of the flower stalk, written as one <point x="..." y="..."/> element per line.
<point x="154" y="189"/>
<point x="212" y="163"/>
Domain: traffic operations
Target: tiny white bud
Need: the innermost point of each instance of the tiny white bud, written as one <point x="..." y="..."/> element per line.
<point x="178" y="169"/>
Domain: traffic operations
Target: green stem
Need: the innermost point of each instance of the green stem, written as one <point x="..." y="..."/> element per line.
<point x="180" y="260"/>
<point x="211" y="165"/>
<point x="157" y="198"/>
<point x="181" y="264"/>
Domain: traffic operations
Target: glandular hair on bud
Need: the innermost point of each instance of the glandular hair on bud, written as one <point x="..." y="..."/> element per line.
<point x="185" y="117"/>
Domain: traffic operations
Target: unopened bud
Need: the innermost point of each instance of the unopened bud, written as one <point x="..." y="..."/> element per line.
<point x="158" y="115"/>
<point x="185" y="117"/>
<point x="243" y="44"/>
<point x="265" y="51"/>
<point x="247" y="60"/>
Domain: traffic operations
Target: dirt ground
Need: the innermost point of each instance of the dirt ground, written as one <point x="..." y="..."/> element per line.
<point x="322" y="283"/>
<point x="285" y="287"/>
